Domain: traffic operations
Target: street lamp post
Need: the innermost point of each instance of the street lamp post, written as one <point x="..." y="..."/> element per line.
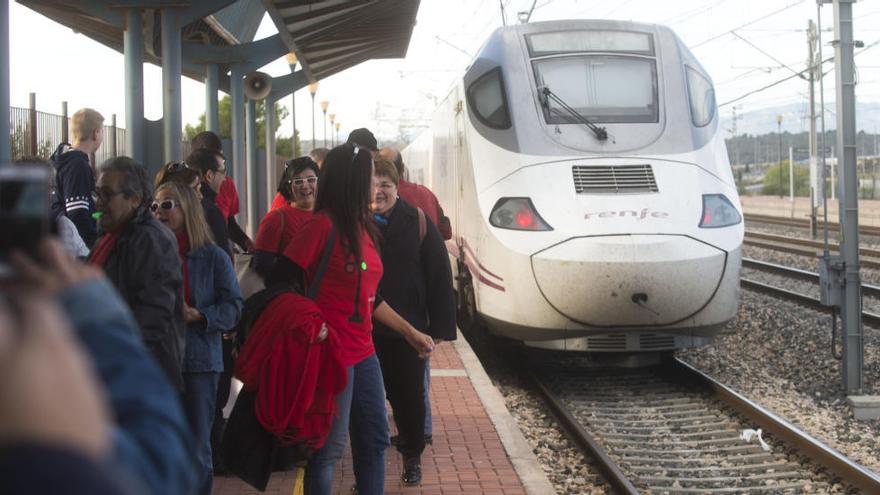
<point x="324" y="105"/>
<point x="338" y="125"/>
<point x="313" y="88"/>
<point x="332" y="120"/>
<point x="779" y="151"/>
<point x="291" y="61"/>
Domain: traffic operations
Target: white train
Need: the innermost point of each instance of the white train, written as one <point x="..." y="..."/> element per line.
<point x="589" y="188"/>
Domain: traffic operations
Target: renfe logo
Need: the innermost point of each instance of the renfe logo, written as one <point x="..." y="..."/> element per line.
<point x="628" y="213"/>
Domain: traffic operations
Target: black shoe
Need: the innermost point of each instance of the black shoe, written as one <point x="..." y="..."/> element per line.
<point x="394" y="440"/>
<point x="429" y="439"/>
<point x="354" y="490"/>
<point x="412" y="473"/>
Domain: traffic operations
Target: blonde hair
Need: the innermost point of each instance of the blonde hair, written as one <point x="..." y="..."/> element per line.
<point x="84" y="122"/>
<point x="386" y="168"/>
<point x="193" y="216"/>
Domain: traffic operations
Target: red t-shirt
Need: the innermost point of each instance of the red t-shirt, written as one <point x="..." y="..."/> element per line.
<point x="338" y="292"/>
<point x="227" y="198"/>
<point x="278" y="201"/>
<point x="270" y="235"/>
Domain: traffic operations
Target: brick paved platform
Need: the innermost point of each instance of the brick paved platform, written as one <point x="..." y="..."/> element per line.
<point x="467" y="456"/>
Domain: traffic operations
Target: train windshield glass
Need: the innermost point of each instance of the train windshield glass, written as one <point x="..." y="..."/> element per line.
<point x="602" y="88"/>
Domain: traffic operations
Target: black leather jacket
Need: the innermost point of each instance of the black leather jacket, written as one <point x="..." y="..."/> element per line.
<point x="145" y="268"/>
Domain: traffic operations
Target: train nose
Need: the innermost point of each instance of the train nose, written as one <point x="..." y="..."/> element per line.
<point x="629" y="280"/>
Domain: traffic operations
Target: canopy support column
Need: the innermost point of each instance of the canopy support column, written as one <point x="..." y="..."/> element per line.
<point x="133" y="46"/>
<point x="212" y="106"/>
<point x="171" y="71"/>
<point x="251" y="140"/>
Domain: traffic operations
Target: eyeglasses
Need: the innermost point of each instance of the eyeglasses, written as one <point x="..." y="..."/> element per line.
<point x="104" y="195"/>
<point x="303" y="180"/>
<point x="168" y="204"/>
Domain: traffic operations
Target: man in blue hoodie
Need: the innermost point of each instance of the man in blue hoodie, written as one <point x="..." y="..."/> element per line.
<point x="74" y="176"/>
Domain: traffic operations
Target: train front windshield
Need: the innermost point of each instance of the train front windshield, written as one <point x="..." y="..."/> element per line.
<point x="618" y="85"/>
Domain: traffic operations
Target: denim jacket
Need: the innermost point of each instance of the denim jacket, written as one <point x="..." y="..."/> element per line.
<point x="151" y="439"/>
<point x="213" y="290"/>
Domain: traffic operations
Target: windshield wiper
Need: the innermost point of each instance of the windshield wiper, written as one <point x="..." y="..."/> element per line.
<point x="600" y="132"/>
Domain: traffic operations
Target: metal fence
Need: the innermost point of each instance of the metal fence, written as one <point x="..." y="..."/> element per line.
<point x="35" y="133"/>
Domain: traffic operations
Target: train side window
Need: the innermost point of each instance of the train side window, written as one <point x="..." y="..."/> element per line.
<point x="487" y="100"/>
<point x="701" y="96"/>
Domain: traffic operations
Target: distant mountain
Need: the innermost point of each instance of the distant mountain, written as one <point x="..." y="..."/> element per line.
<point x="795" y="118"/>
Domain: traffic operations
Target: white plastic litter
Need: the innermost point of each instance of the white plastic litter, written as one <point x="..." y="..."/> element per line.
<point x="749" y="434"/>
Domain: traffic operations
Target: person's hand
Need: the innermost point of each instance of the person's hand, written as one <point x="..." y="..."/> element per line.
<point x="191" y="314"/>
<point x="322" y="333"/>
<point x="56" y="271"/>
<point x="422" y="343"/>
<point x="249" y="246"/>
<point x="48" y="393"/>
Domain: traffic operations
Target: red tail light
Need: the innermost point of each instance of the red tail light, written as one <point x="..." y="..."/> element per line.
<point x="517" y="214"/>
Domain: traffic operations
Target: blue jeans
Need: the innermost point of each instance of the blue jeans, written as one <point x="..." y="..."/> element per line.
<point x="361" y="409"/>
<point x="429" y="429"/>
<point x="198" y="403"/>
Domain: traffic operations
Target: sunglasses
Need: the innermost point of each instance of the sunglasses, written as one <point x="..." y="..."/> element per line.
<point x="175" y="167"/>
<point x="303" y="180"/>
<point x="168" y="204"/>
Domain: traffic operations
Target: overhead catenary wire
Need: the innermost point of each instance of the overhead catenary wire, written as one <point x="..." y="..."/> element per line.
<point x="771" y="14"/>
<point x="788" y="78"/>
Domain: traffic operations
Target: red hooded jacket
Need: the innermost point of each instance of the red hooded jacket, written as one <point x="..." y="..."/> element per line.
<point x="296" y="378"/>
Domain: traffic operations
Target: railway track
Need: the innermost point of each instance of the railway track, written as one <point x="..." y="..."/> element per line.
<point x="673" y="429"/>
<point x="868" y="318"/>
<point x="805" y="223"/>
<point x="868" y="257"/>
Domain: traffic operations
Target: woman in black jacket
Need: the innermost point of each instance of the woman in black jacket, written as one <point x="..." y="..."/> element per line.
<point x="139" y="256"/>
<point x="417" y="283"/>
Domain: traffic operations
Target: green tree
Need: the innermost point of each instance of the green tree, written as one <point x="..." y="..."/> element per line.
<point x="226" y="121"/>
<point x="283" y="146"/>
<point x="773" y="187"/>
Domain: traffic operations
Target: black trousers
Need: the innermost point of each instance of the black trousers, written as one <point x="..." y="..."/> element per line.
<point x="404" y="374"/>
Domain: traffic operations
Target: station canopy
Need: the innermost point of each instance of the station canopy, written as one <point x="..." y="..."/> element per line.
<point x="326" y="36"/>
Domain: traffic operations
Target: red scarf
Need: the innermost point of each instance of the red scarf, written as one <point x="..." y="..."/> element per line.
<point x="182" y="249"/>
<point x="104" y="247"/>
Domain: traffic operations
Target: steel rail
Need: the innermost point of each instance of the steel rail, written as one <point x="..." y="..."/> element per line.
<point x="850" y="472"/>
<point x="801" y="251"/>
<point x="875" y="253"/>
<point x="805" y="223"/>
<point x="871" y="319"/>
<point x="796" y="273"/>
<point x="608" y="466"/>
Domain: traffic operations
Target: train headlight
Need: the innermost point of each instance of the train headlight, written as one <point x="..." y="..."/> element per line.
<point x="517" y="214"/>
<point x="718" y="211"/>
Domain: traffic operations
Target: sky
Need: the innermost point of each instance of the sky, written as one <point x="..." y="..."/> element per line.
<point x="743" y="44"/>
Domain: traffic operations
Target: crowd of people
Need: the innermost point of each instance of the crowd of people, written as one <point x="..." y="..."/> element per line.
<point x="135" y="305"/>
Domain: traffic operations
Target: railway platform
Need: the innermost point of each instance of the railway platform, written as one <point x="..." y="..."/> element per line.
<point x="477" y="446"/>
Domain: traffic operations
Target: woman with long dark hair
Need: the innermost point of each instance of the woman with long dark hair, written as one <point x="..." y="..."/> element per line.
<point x="349" y="301"/>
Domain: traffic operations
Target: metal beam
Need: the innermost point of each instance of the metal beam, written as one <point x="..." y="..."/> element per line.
<point x="5" y="151"/>
<point x="171" y="73"/>
<point x="257" y="52"/>
<point x="853" y="343"/>
<point x="133" y="41"/>
<point x="250" y="214"/>
<point x="287" y="84"/>
<point x="201" y="8"/>
<point x="212" y="105"/>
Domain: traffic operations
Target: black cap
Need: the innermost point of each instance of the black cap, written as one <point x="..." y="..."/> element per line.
<point x="363" y="138"/>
